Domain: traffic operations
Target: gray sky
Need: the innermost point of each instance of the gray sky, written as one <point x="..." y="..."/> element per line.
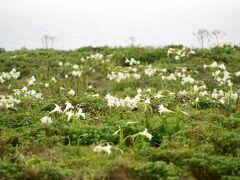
<point x="77" y="23"/>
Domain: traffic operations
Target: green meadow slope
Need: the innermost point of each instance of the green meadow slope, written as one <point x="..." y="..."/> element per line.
<point x="120" y="113"/>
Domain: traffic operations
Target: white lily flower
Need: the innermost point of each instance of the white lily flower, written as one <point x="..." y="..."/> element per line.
<point x="68" y="106"/>
<point x="71" y="92"/>
<point x="222" y="101"/>
<point x="95" y="95"/>
<point x="100" y="149"/>
<point x="46" y="85"/>
<point x="80" y="113"/>
<point x="8" y="75"/>
<point x="57" y="109"/>
<point x="148" y="90"/>
<point x="147" y="101"/>
<point x="177" y="57"/>
<point x="24" y="89"/>
<point x="197" y="99"/>
<point x="54" y="79"/>
<point x="31" y="81"/>
<point x="185" y="113"/>
<point x="237" y="73"/>
<point x="131" y="122"/>
<point x="46" y="119"/>
<point x="162" y="109"/>
<point x="75" y="66"/>
<point x="146" y="134"/>
<point x="76" y="73"/>
<point x="159" y="95"/>
<point x="139" y="91"/>
<point x="69" y="115"/>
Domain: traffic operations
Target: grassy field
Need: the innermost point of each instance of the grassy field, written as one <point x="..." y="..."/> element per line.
<point x="120" y="113"/>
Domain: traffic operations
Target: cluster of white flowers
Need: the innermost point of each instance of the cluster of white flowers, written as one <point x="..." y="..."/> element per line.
<point x="70" y="111"/>
<point x="187" y="79"/>
<point x="179" y="53"/>
<point x="221" y="75"/>
<point x="224" y="97"/>
<point x="8" y="101"/>
<point x="219" y="95"/>
<point x="183" y="92"/>
<point x="125" y="102"/>
<point x="132" y="69"/>
<point x="201" y="88"/>
<point x="28" y="93"/>
<point x="96" y="56"/>
<point x="171" y="77"/>
<point x="203" y="93"/>
<point x="76" y="73"/>
<point x="46" y="120"/>
<point x="68" y="64"/>
<point x="93" y="95"/>
<point x="132" y="62"/>
<point x="91" y="69"/>
<point x="13" y="74"/>
<point x="150" y="71"/>
<point x="75" y="66"/>
<point x="237" y="74"/>
<point x="180" y="72"/>
<point x="31" y="81"/>
<point x="120" y="76"/>
<point x="223" y="44"/>
<point x="215" y="65"/>
<point x="140" y="91"/>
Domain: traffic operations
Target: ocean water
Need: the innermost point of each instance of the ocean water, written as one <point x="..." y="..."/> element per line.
<point x="77" y="23"/>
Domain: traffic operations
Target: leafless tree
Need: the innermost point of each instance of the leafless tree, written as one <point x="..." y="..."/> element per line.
<point x="47" y="41"/>
<point x="132" y="40"/>
<point x="202" y="35"/>
<point x="217" y="35"/>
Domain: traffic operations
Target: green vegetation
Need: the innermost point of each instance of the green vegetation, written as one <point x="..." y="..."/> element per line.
<point x="195" y="134"/>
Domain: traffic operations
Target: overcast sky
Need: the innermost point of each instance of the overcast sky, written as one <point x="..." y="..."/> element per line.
<point x="77" y="23"/>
